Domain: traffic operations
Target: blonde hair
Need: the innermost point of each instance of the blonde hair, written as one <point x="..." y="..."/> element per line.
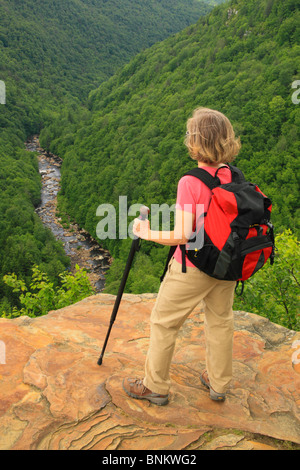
<point x="210" y="137"/>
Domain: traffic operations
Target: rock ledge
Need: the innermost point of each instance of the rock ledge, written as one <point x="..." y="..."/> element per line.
<point x="53" y="395"/>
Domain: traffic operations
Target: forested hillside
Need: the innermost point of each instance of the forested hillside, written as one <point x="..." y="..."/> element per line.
<point x="241" y="59"/>
<point x="76" y="44"/>
<point x="52" y="54"/>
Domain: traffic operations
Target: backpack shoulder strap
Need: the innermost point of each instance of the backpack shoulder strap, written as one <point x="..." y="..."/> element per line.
<point x="210" y="181"/>
<point x="213" y="181"/>
<point x="237" y="174"/>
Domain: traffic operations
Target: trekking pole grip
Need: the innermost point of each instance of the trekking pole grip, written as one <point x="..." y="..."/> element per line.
<point x="144" y="212"/>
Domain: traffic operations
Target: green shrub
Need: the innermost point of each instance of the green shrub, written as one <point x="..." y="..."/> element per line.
<point x="274" y="290"/>
<point x="43" y="296"/>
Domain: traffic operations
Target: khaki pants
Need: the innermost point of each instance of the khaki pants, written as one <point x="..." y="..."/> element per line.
<point x="179" y="294"/>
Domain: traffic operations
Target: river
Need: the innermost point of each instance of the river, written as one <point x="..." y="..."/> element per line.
<point x="79" y="246"/>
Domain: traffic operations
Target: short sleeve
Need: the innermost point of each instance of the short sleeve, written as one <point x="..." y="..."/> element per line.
<point x="186" y="200"/>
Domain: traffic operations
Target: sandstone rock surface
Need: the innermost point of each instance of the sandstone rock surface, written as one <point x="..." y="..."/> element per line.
<point x="53" y="395"/>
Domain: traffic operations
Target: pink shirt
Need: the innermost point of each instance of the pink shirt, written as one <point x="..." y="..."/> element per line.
<point x="191" y="191"/>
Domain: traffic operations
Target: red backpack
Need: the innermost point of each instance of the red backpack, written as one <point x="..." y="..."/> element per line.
<point x="238" y="237"/>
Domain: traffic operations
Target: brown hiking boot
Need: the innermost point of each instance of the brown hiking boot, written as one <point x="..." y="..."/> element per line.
<point x="213" y="395"/>
<point x="136" y="389"/>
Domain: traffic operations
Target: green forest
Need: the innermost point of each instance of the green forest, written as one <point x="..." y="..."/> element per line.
<point x="52" y="54"/>
<point x="126" y="138"/>
<point x="241" y="59"/>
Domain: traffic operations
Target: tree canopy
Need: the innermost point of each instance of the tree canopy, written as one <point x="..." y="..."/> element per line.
<point x="241" y="59"/>
<point x="52" y="54"/>
<point x="126" y="138"/>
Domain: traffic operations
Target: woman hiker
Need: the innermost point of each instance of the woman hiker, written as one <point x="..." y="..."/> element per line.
<point x="211" y="141"/>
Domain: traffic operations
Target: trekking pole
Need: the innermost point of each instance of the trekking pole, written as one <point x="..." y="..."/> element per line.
<point x="144" y="211"/>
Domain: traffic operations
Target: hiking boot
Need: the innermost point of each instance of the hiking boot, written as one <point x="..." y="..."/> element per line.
<point x="136" y="389"/>
<point x="213" y="395"/>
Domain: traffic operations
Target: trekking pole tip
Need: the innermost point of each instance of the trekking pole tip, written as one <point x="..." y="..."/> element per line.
<point x="100" y="360"/>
